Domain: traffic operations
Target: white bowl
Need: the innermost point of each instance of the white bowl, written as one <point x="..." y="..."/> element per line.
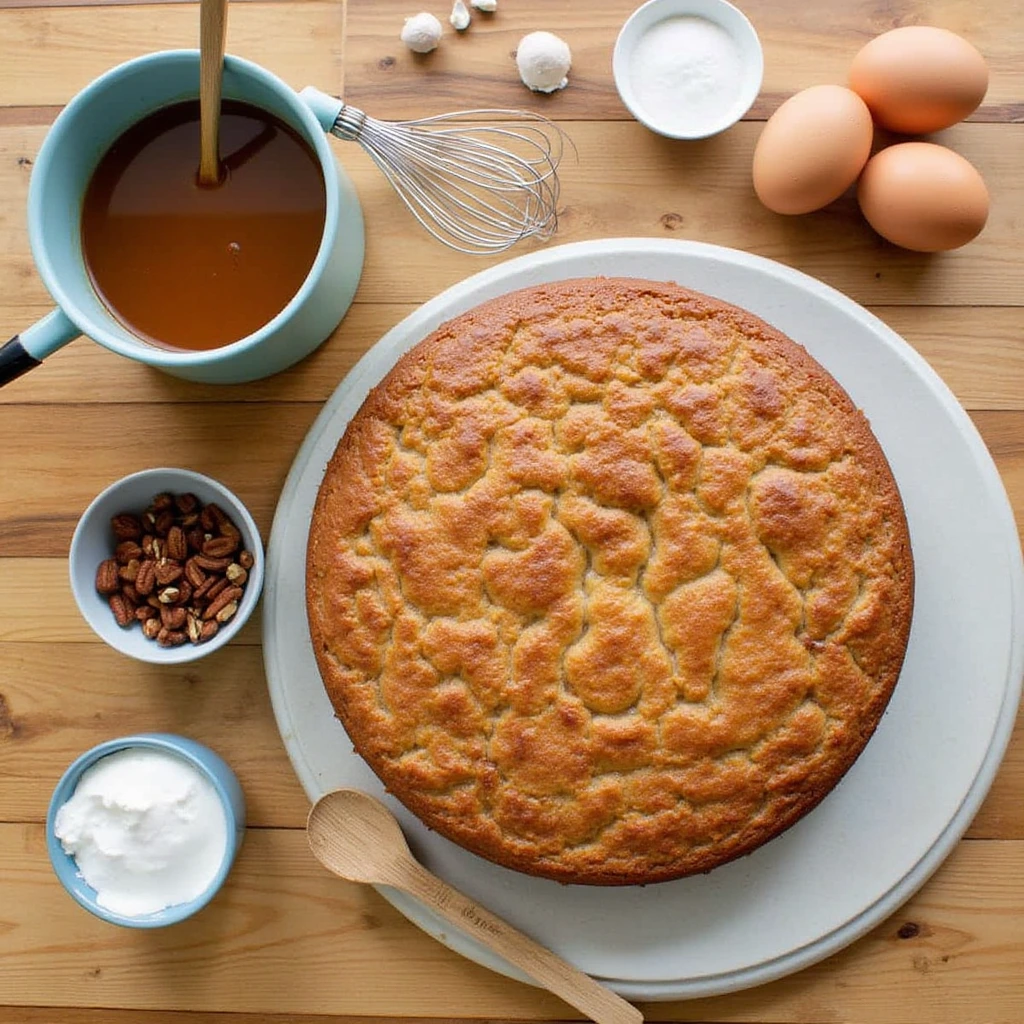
<point x="94" y="541"/>
<point x="718" y="12"/>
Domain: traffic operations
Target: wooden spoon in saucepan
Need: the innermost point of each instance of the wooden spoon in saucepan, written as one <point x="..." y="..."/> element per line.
<point x="354" y="835"/>
<point x="213" y="16"/>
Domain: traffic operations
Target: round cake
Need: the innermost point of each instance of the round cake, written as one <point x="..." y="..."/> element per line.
<point x="609" y="581"/>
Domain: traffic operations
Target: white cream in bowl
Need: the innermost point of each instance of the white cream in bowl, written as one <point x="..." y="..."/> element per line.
<point x="147" y="830"/>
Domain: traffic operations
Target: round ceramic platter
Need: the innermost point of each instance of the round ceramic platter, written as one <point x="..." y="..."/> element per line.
<point x="902" y="807"/>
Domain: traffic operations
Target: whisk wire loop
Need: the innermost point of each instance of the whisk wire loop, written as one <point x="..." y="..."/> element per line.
<point x="477" y="186"/>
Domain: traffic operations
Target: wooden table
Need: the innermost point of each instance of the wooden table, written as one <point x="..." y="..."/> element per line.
<point x="284" y="939"/>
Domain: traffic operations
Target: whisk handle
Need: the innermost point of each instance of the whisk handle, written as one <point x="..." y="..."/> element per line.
<point x="325" y="108"/>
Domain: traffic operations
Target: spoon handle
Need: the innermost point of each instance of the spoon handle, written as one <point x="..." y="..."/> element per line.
<point x="212" y="21"/>
<point x="555" y="974"/>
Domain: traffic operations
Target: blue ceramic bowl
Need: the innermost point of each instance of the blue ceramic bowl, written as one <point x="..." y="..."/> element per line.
<point x="211" y="765"/>
<point x="93" y="541"/>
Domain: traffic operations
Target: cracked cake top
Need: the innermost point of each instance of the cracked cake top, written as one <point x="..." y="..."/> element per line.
<point x="609" y="581"/>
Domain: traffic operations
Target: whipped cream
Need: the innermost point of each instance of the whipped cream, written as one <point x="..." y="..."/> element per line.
<point x="147" y="830"/>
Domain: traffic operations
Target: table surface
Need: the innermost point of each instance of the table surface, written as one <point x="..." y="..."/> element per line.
<point x="284" y="940"/>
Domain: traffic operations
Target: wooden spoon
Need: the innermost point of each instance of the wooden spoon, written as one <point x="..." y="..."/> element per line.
<point x="213" y="16"/>
<point x="354" y="835"/>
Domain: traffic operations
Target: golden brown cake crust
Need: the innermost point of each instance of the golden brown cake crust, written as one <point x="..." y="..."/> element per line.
<point x="609" y="581"/>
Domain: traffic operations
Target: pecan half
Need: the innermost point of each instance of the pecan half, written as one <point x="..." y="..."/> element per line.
<point x="167" y="572"/>
<point x="126" y="551"/>
<point x="236" y="574"/>
<point x="177" y="545"/>
<point x="219" y="586"/>
<point x="172" y="618"/>
<point x="164" y="522"/>
<point x="194" y="574"/>
<point x="211" y="564"/>
<point x="229" y="595"/>
<point x="226" y="528"/>
<point x="227" y="612"/>
<point x="219" y="547"/>
<point x="107" y="579"/>
<point x="186" y="504"/>
<point x="130" y="572"/>
<point x="145" y="579"/>
<point x="126" y="526"/>
<point x="171" y="637"/>
<point x="124" y="613"/>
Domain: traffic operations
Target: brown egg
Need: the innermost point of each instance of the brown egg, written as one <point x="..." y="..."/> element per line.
<point x="919" y="79"/>
<point x="812" y="149"/>
<point x="923" y="197"/>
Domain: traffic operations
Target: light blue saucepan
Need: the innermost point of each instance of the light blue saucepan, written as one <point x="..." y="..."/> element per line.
<point x="85" y="130"/>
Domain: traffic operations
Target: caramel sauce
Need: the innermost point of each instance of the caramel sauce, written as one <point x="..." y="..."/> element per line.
<point x="190" y="267"/>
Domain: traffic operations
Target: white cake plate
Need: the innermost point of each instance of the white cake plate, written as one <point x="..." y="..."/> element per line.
<point x="905" y="803"/>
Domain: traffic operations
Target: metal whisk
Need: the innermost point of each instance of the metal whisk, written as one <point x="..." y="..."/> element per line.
<point x="475" y="185"/>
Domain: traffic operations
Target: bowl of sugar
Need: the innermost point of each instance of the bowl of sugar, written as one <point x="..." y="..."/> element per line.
<point x="688" y="69"/>
<point x="143" y="830"/>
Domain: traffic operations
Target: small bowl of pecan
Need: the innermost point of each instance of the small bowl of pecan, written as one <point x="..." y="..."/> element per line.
<point x="166" y="565"/>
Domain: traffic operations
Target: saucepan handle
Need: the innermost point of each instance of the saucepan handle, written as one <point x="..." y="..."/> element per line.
<point x="325" y="108"/>
<point x="27" y="350"/>
<point x="15" y="360"/>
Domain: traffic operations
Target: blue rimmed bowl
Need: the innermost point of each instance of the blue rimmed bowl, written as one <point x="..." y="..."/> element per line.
<point x="93" y="542"/>
<point x="208" y="764"/>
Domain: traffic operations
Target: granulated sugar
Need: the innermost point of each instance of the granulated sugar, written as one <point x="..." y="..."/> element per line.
<point x="686" y="72"/>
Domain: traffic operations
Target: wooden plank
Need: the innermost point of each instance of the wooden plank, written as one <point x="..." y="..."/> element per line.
<point x="72" y="452"/>
<point x="802" y="47"/>
<point x="50" y="714"/>
<point x="87" y="447"/>
<point x="222" y="701"/>
<point x="477" y="69"/>
<point x="28" y="115"/>
<point x="283" y="937"/>
<point x="50" y="53"/>
<point x="655" y="188"/>
<point x="962" y="343"/>
<point x="11" y="4"/>
<point x="85" y="1015"/>
<point x="286" y="937"/>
